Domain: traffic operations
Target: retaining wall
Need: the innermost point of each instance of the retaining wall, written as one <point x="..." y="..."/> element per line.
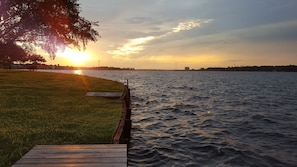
<point x="122" y="133"/>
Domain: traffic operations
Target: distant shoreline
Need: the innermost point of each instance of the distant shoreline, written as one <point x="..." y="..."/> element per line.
<point x="285" y="68"/>
<point x="289" y="68"/>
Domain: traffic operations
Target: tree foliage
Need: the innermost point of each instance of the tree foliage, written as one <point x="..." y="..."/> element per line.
<point x="10" y="52"/>
<point x="34" y="58"/>
<point x="49" y="24"/>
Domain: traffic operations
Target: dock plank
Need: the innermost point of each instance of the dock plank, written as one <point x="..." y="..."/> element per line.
<point x="75" y="155"/>
<point x="105" y="94"/>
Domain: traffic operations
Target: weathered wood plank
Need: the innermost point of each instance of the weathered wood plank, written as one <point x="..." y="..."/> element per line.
<point x="70" y="160"/>
<point x="84" y="146"/>
<point x="59" y="150"/>
<point x="105" y="94"/>
<point x="72" y="165"/>
<point x="75" y="155"/>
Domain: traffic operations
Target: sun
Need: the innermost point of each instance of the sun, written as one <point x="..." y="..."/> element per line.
<point x="76" y="57"/>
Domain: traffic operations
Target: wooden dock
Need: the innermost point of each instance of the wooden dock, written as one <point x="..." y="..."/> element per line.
<point x="75" y="155"/>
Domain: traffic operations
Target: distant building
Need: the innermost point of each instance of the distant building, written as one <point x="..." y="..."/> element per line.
<point x="187" y="68"/>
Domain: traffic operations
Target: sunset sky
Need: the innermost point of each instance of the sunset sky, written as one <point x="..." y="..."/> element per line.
<point x="173" y="34"/>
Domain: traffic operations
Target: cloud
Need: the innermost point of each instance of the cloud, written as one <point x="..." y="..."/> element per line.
<point x="133" y="46"/>
<point x="188" y="25"/>
<point x="136" y="45"/>
<point x="138" y="20"/>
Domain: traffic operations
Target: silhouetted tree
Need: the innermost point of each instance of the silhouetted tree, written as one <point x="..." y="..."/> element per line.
<point x="49" y="24"/>
<point x="34" y="59"/>
<point x="10" y="53"/>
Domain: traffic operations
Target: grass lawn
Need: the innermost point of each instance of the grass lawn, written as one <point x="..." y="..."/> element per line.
<point x="51" y="108"/>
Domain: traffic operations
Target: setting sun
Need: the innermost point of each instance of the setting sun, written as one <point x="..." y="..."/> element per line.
<point x="74" y="56"/>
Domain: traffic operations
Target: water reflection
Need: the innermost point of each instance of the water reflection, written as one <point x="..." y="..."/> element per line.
<point x="78" y="72"/>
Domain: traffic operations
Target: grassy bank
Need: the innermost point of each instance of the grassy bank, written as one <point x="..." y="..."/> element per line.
<point x="51" y="108"/>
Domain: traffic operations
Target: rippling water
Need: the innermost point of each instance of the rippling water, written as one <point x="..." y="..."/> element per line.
<point x="186" y="118"/>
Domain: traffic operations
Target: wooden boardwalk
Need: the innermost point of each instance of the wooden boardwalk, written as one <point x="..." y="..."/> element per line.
<point x="75" y="155"/>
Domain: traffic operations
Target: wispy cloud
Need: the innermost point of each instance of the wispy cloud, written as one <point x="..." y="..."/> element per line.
<point x="190" y="24"/>
<point x="136" y="45"/>
<point x="133" y="46"/>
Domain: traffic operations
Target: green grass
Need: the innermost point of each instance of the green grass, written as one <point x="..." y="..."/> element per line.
<point x="51" y="108"/>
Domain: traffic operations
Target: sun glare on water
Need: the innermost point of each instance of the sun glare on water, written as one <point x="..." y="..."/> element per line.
<point x="74" y="57"/>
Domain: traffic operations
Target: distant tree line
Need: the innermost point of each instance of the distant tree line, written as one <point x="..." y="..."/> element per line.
<point x="60" y="67"/>
<point x="289" y="68"/>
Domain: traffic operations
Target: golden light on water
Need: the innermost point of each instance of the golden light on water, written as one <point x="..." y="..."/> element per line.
<point x="78" y="72"/>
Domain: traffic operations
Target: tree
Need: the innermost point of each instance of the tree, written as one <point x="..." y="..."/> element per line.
<point x="34" y="59"/>
<point x="9" y="53"/>
<point x="49" y="24"/>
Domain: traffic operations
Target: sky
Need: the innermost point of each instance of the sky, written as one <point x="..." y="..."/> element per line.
<point x="174" y="34"/>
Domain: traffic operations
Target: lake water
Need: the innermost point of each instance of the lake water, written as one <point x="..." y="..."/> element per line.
<point x="191" y="118"/>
